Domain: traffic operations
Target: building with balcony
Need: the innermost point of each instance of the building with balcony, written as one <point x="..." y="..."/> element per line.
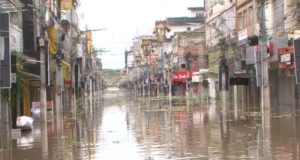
<point x="11" y="51"/>
<point x="281" y="19"/>
<point x="220" y="26"/>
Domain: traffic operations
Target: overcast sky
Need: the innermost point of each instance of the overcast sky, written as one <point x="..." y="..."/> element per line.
<point x="125" y="20"/>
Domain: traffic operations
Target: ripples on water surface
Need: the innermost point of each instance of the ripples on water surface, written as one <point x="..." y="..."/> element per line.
<point x="129" y="128"/>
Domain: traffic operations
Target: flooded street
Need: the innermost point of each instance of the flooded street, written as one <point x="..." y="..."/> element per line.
<point x="126" y="127"/>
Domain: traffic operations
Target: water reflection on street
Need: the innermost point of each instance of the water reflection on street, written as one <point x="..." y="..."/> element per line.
<point x="123" y="126"/>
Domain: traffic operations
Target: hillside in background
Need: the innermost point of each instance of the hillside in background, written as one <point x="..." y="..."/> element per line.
<point x="111" y="77"/>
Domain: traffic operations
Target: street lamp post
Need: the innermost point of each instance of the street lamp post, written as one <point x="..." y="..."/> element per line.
<point x="169" y="74"/>
<point x="223" y="68"/>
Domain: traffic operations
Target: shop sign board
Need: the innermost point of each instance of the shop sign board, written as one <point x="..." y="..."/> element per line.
<point x="297" y="60"/>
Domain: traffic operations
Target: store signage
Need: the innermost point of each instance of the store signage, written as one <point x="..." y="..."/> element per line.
<point x="196" y="77"/>
<point x="16" y="39"/>
<point x="243" y="34"/>
<point x="297" y="60"/>
<point x="181" y="75"/>
<point x="285" y="58"/>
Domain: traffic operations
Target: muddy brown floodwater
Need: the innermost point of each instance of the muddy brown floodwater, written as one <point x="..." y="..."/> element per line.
<point x="125" y="127"/>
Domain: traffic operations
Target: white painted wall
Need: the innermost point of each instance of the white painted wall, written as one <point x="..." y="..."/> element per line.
<point x="212" y="93"/>
<point x="183" y="28"/>
<point x="130" y="60"/>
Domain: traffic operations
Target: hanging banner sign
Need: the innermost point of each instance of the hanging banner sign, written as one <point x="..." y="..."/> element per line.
<point x="66" y="4"/>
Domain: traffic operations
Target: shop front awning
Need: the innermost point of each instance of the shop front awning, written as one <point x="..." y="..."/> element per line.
<point x="181" y="75"/>
<point x="240" y="78"/>
<point x="208" y="74"/>
<point x="28" y="76"/>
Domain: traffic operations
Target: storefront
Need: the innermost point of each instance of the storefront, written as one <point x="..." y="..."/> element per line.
<point x="179" y="80"/>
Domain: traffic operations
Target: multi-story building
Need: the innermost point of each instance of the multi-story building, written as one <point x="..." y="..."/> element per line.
<point x="29" y="29"/>
<point x="11" y="49"/>
<point x="138" y="64"/>
<point x="189" y="43"/>
<point x="244" y="70"/>
<point x="187" y="36"/>
<point x="281" y="19"/>
<point x="220" y="24"/>
<point x="155" y="61"/>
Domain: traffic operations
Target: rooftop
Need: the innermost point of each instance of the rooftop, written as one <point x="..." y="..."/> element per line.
<point x="177" y="21"/>
<point x="196" y="8"/>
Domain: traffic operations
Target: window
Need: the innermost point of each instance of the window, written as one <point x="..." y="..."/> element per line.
<point x="245" y="18"/>
<point x="199" y="15"/>
<point x="251" y="17"/>
<point x="251" y="20"/>
<point x="240" y="21"/>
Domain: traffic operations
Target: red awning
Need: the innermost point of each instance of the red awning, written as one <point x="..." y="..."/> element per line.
<point x="181" y="75"/>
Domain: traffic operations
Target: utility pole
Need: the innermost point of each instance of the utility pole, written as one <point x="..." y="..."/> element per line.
<point x="223" y="68"/>
<point x="170" y="76"/>
<point x="188" y="57"/>
<point x="41" y="25"/>
<point x="265" y="93"/>
<point x="223" y="74"/>
<point x="41" y="45"/>
<point x="58" y="73"/>
<point x="146" y="46"/>
<point x="73" y="64"/>
<point x="148" y="77"/>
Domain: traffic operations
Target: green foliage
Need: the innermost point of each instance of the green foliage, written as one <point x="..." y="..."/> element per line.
<point x="111" y="71"/>
<point x="5" y="95"/>
<point x="17" y="88"/>
<point x="214" y="58"/>
<point x="213" y="61"/>
<point x="111" y="76"/>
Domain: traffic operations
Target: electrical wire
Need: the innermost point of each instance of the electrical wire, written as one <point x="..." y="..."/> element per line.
<point x="25" y="13"/>
<point x="284" y="18"/>
<point x="280" y="23"/>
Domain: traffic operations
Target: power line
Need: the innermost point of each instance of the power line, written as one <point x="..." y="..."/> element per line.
<point x="25" y="13"/>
